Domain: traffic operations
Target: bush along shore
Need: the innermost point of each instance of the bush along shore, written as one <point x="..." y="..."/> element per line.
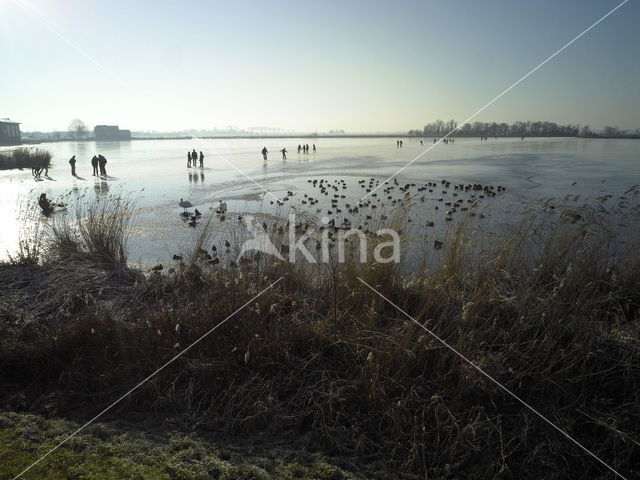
<point x="319" y="361"/>
<point x="25" y="158"/>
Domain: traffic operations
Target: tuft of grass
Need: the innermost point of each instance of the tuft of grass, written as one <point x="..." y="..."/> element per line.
<point x="64" y="266"/>
<point x="32" y="235"/>
<point x="100" y="231"/>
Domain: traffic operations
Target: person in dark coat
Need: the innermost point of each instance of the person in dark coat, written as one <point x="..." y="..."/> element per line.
<point x="102" y="162"/>
<point x="94" y="165"/>
<point x="72" y="162"/>
<point x="188" y="158"/>
<point x="45" y="204"/>
<point x="201" y="159"/>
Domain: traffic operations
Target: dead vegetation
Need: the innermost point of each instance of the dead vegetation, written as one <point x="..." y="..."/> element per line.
<point x="550" y="311"/>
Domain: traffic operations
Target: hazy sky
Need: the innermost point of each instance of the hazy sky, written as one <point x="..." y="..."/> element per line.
<point x="315" y="65"/>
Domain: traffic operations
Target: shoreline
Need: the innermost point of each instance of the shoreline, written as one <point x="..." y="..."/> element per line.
<point x="30" y="141"/>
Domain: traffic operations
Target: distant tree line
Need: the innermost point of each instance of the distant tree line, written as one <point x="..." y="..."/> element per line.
<point x="610" y="132"/>
<point x="517" y="129"/>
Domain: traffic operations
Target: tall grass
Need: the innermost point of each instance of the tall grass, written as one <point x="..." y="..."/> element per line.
<point x="99" y="233"/>
<point x="551" y="311"/>
<point x="31" y="236"/>
<point x="26" y="158"/>
<point x="65" y="264"/>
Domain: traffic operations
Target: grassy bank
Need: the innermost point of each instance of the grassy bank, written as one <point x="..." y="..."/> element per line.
<point x="107" y="451"/>
<point x="321" y="362"/>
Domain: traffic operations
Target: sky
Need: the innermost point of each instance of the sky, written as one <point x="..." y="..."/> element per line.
<point x="358" y="66"/>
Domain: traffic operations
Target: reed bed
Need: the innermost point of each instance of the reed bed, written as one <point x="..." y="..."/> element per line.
<point x="550" y="310"/>
<point x="25" y="158"/>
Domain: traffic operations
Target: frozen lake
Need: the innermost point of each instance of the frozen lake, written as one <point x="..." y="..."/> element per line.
<point x="154" y="174"/>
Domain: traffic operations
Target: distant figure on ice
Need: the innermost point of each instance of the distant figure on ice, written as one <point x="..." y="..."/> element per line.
<point x="314" y="148"/>
<point x="94" y="165"/>
<point x="284" y="153"/>
<point x="201" y="159"/>
<point x="264" y="153"/>
<point x="307" y="147"/>
<point x="72" y="162"/>
<point x="299" y="148"/>
<point x="102" y="162"/>
<point x="421" y="142"/>
<point x="188" y="158"/>
<point x="194" y="158"/>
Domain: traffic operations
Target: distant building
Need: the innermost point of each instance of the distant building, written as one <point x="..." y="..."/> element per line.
<point x="9" y="132"/>
<point x="111" y="133"/>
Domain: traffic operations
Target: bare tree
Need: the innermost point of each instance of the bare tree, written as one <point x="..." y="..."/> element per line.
<point x="78" y="128"/>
